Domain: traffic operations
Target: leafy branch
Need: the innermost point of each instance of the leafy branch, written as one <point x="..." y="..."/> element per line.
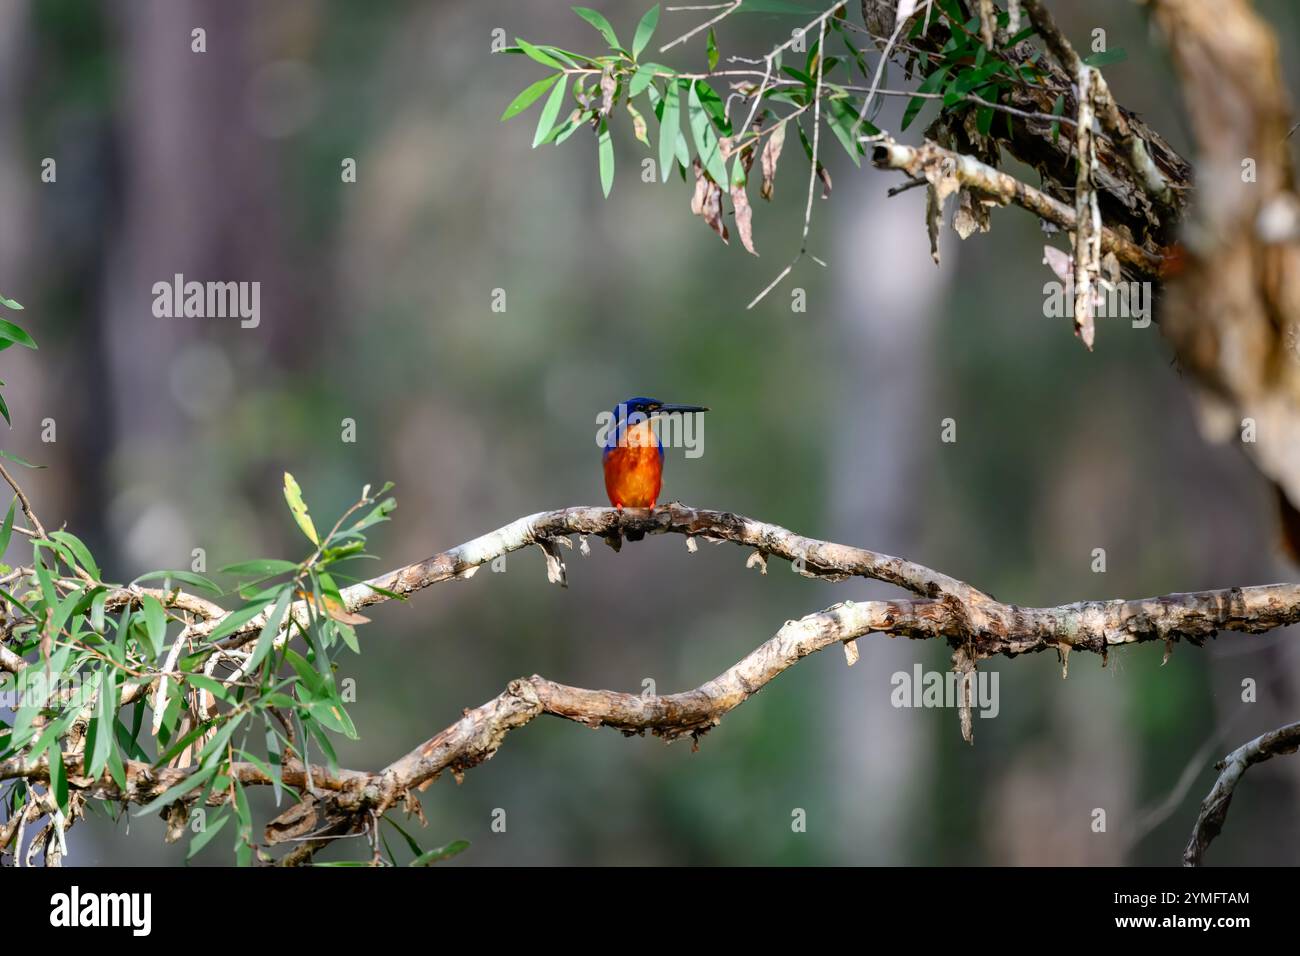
<point x="11" y="333"/>
<point x="966" y="76"/>
<point x="79" y="654"/>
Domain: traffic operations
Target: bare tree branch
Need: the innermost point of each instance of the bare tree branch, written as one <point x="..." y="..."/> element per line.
<point x="1214" y="809"/>
<point x="24" y="501"/>
<point x="977" y="625"/>
<point x="931" y="160"/>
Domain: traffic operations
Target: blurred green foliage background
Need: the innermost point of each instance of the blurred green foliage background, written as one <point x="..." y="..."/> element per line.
<point x="376" y="306"/>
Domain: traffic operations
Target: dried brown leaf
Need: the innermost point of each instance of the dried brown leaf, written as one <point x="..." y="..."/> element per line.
<point x="707" y="201"/>
<point x="744" y="216"/>
<point x="555" y="573"/>
<point x="638" y="124"/>
<point x="1059" y="262"/>
<point x="933" y="213"/>
<point x="972" y="215"/>
<point x="608" y="85"/>
<point x="767" y="162"/>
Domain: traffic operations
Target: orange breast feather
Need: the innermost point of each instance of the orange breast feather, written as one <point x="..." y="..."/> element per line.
<point x="634" y="470"/>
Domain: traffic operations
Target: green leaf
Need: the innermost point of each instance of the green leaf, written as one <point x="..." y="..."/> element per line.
<point x="272" y="771"/>
<point x="106" y="706"/>
<point x="14" y="600"/>
<point x="953" y="11"/>
<point x="332" y="715"/>
<point x="533" y="53"/>
<point x="214" y="687"/>
<point x="1020" y="37"/>
<point x="441" y="853"/>
<point x="184" y="577"/>
<point x="306" y="673"/>
<point x="202" y="839"/>
<point x="97" y="611"/>
<point x="969" y="79"/>
<point x="116" y="768"/>
<point x="800" y="75"/>
<point x="706" y="141"/>
<point x="1106" y="57"/>
<point x="47" y="584"/>
<point x="640" y="81"/>
<point x="293" y="495"/>
<point x="842" y="118"/>
<point x="242" y="809"/>
<point x="644" y="31"/>
<point x="10" y="303"/>
<point x="322" y="740"/>
<point x="349" y="635"/>
<point x="263" y="596"/>
<point x="215" y="748"/>
<point x="1057" y="109"/>
<point x="566" y="58"/>
<point x="713" y="105"/>
<point x="669" y="128"/>
<point x="598" y="21"/>
<point x="4" y="410"/>
<point x="379" y="513"/>
<point x="266" y="639"/>
<point x="262" y="567"/>
<point x="605" y="148"/>
<point x="18" y="459"/>
<point x="712" y="50"/>
<point x="78" y="549"/>
<point x="529" y="96"/>
<point x="12" y="333"/>
<point x="6" y="530"/>
<point x="576" y="121"/>
<point x="58" y="776"/>
<point x="410" y="840"/>
<point x="236" y="620"/>
<point x="546" y="122"/>
<point x="155" y="622"/>
<point x="343" y="863"/>
<point x="64" y="610"/>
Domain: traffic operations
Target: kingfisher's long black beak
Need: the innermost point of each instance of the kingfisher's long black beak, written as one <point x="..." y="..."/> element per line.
<point x="668" y="409"/>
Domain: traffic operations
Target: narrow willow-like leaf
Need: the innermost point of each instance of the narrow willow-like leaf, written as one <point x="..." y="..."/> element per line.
<point x="293" y="495"/>
<point x="598" y="21"/>
<point x="706" y="140"/>
<point x="528" y="96"/>
<point x="546" y="122"/>
<point x="605" y="147"/>
<point x="645" y="30"/>
<point x="669" y="128"/>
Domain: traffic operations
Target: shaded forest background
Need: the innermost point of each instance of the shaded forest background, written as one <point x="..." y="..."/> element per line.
<point x="376" y="306"/>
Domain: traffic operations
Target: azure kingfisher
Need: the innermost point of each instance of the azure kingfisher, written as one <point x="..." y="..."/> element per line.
<point x="634" y="456"/>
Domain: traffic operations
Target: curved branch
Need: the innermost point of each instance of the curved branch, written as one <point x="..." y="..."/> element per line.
<point x="977" y="625"/>
<point x="24" y="501"/>
<point x="816" y="558"/>
<point x="1214" y="809"/>
<point x="930" y="160"/>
